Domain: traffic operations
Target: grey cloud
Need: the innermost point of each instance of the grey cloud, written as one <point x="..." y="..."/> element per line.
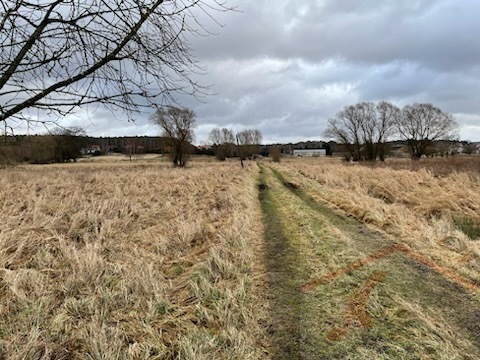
<point x="440" y="34"/>
<point x="276" y="97"/>
<point x="285" y="67"/>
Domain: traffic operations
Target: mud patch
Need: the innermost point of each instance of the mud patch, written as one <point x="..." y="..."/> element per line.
<point x="466" y="283"/>
<point x="262" y="187"/>
<point x="290" y="185"/>
<point x="356" y="315"/>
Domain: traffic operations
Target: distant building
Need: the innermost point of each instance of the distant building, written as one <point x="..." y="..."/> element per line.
<point x="310" y="152"/>
<point x="91" y="150"/>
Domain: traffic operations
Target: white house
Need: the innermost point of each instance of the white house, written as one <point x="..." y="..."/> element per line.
<point x="310" y="152"/>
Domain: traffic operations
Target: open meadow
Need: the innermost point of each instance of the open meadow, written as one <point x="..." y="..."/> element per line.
<point x="117" y="260"/>
<point x="306" y="258"/>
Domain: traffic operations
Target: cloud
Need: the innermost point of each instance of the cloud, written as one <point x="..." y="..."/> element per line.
<point x="290" y="66"/>
<point x="285" y="67"/>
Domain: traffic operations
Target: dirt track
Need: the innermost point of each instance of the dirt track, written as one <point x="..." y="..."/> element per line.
<point x="339" y="289"/>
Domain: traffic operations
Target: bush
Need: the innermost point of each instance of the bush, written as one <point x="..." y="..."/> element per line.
<point x="275" y="153"/>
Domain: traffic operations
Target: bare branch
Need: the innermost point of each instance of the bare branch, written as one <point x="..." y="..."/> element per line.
<point x="363" y="129"/>
<point x="422" y="124"/>
<point x="125" y="54"/>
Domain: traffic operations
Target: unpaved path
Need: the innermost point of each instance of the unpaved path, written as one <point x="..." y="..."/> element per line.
<point x="339" y="290"/>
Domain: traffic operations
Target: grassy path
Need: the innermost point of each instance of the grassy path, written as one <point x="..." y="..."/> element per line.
<point x="339" y="290"/>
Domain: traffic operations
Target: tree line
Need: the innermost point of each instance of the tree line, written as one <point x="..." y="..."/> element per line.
<point x="244" y="144"/>
<point x="365" y="128"/>
<point x="60" y="145"/>
<point x="178" y="126"/>
<point x="68" y="144"/>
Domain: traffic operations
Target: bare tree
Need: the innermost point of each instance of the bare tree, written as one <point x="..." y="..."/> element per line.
<point x="58" y="55"/>
<point x="223" y="142"/>
<point x="387" y="116"/>
<point x="469" y="148"/>
<point x="444" y="148"/>
<point x="68" y="143"/>
<point x="363" y="129"/>
<point x="248" y="143"/>
<point x="345" y="128"/>
<point x="177" y="125"/>
<point x="132" y="148"/>
<point x="422" y="124"/>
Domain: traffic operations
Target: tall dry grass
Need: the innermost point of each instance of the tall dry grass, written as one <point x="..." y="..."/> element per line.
<point x="438" y="166"/>
<point x="419" y="208"/>
<point x="128" y="261"/>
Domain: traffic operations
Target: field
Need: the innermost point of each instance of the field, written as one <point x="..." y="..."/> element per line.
<point x="307" y="258"/>
<point x="116" y="260"/>
<point x="387" y="261"/>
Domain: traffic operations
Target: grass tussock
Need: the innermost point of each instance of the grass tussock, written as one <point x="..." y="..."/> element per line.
<point x="128" y="261"/>
<point x="417" y="208"/>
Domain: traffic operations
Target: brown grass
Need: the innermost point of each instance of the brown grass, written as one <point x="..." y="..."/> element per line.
<point x="438" y="166"/>
<point x="114" y="261"/>
<point x="415" y="208"/>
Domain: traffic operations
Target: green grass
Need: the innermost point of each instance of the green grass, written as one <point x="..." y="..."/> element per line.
<point x="468" y="226"/>
<point x="282" y="262"/>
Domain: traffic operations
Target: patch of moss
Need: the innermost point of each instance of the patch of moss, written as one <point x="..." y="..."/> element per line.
<point x="468" y="226"/>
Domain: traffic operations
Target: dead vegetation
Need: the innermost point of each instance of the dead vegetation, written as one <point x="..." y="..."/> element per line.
<point x="128" y="262"/>
<point x="438" y="166"/>
<point x="418" y="208"/>
<point x="365" y="294"/>
<point x="138" y="260"/>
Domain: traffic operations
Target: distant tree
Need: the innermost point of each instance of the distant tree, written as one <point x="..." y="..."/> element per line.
<point x="69" y="143"/>
<point x="41" y="149"/>
<point x="177" y="126"/>
<point x="248" y="143"/>
<point x="275" y="153"/>
<point x="132" y="148"/>
<point x="442" y="148"/>
<point x="469" y="148"/>
<point x="364" y="129"/>
<point x="328" y="148"/>
<point x="60" y="145"/>
<point x="387" y="115"/>
<point x="223" y="142"/>
<point x="422" y="124"/>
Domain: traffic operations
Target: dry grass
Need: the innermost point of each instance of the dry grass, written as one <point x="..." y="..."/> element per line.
<point x="128" y="261"/>
<point x="417" y="208"/>
<point x="365" y="296"/>
<point x="438" y="166"/>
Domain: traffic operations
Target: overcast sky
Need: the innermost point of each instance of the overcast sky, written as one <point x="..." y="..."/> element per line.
<point x="287" y="66"/>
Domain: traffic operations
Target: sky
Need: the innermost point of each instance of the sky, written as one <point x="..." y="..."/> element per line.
<point x="285" y="67"/>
